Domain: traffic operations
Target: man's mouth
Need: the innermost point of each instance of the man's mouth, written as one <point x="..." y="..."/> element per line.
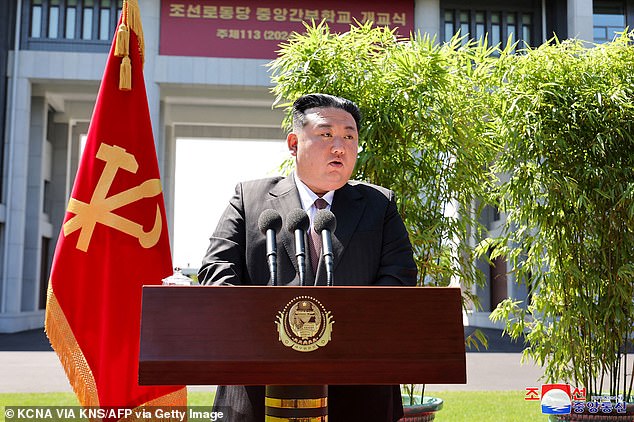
<point x="336" y="163"/>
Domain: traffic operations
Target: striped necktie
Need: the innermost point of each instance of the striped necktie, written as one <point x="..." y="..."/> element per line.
<point x="315" y="238"/>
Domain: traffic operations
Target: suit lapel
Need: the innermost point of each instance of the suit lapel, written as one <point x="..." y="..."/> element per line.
<point x="347" y="206"/>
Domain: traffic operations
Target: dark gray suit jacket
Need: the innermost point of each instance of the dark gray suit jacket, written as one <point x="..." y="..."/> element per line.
<point x="370" y="245"/>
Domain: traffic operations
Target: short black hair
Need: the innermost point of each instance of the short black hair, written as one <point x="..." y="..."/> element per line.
<point x="309" y="101"/>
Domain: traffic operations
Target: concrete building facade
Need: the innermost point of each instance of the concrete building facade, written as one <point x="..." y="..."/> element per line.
<point x="52" y="56"/>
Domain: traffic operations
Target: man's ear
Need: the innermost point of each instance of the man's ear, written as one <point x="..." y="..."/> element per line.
<point x="291" y="141"/>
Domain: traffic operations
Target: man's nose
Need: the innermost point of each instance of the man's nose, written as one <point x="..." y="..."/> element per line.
<point x="337" y="145"/>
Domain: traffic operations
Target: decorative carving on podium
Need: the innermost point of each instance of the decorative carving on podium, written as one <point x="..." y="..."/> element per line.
<point x="304" y="324"/>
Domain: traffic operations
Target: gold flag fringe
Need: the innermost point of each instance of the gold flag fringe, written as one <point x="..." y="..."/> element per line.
<point x="130" y="20"/>
<point x="76" y="367"/>
<point x="65" y="345"/>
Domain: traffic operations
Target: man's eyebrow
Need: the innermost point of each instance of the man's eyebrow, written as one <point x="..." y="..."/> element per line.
<point x="323" y="125"/>
<point x="328" y="126"/>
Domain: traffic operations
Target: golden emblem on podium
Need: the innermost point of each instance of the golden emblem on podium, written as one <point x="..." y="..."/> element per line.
<point x="304" y="324"/>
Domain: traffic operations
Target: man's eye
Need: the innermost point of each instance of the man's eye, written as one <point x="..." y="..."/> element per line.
<point x="326" y="135"/>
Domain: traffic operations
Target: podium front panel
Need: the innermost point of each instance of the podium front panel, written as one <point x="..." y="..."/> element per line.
<point x="233" y="335"/>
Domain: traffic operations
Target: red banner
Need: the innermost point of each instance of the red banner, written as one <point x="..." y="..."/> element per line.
<point x="113" y="241"/>
<point x="254" y="29"/>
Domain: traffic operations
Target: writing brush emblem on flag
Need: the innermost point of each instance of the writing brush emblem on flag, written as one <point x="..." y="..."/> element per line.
<point x="100" y="207"/>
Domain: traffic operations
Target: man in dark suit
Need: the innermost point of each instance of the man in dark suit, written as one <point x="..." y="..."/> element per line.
<point x="370" y="243"/>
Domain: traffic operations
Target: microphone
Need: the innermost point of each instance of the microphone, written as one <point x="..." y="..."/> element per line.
<point x="270" y="222"/>
<point x="297" y="222"/>
<point x="325" y="223"/>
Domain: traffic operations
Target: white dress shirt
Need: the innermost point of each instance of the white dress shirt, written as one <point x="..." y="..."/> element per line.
<point x="308" y="198"/>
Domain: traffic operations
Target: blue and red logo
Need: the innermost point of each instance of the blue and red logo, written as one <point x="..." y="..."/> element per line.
<point x="562" y="399"/>
<point x="556" y="399"/>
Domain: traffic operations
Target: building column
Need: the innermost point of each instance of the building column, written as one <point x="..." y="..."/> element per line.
<point x="55" y="199"/>
<point x="427" y="16"/>
<point x="33" y="209"/>
<point x="13" y="317"/>
<point x="168" y="172"/>
<point x="580" y="24"/>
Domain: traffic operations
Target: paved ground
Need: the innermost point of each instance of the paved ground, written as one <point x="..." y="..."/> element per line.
<point x="28" y="364"/>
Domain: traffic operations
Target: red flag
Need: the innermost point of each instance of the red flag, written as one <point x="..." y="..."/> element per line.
<point x="113" y="241"/>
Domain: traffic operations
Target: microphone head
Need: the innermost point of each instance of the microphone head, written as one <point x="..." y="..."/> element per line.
<point x="270" y="219"/>
<point x="324" y="220"/>
<point x="297" y="219"/>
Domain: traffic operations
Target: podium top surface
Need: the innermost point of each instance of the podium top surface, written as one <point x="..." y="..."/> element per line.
<point x="257" y="335"/>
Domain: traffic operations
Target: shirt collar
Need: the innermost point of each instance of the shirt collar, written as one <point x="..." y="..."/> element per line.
<point x="308" y="197"/>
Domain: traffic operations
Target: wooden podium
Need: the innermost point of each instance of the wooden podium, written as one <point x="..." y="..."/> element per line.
<point x="232" y="335"/>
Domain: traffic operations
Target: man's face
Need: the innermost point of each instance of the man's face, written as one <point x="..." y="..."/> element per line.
<point x="325" y="149"/>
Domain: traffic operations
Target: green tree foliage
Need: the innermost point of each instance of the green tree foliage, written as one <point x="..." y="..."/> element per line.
<point x="423" y="132"/>
<point x="565" y="116"/>
<point x="546" y="134"/>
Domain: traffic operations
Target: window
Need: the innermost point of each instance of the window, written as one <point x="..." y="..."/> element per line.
<point x="496" y="29"/>
<point x="71" y="17"/>
<point x="70" y="25"/>
<point x="53" y="18"/>
<point x="527" y="33"/>
<point x="104" y="20"/>
<point x="480" y="31"/>
<point x="449" y="28"/>
<point x="511" y="30"/>
<point x="608" y="18"/>
<point x="86" y="32"/>
<point x="500" y="24"/>
<point x="36" y="19"/>
<point x="464" y="25"/>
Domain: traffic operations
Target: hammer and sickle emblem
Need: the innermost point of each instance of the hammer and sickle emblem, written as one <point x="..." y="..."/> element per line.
<point x="100" y="208"/>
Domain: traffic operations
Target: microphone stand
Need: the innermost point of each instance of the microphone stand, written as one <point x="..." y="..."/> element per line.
<point x="326" y="241"/>
<point x="271" y="246"/>
<point x="300" y="253"/>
